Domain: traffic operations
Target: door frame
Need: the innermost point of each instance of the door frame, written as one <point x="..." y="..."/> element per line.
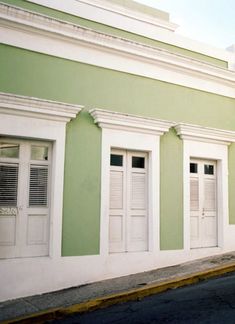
<point x="131" y="141"/>
<point x="207" y="151"/>
<point x="201" y="196"/>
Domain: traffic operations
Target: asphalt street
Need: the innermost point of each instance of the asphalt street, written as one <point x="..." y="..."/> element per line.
<point x="211" y="301"/>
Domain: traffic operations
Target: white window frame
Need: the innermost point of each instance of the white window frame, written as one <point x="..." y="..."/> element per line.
<point x="38" y="119"/>
<point x="134" y="133"/>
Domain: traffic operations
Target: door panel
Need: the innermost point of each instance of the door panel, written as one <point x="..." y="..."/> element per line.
<point x="194" y="227"/>
<point x="7" y="229"/>
<point x="37" y="229"/>
<point x="203" y="203"/>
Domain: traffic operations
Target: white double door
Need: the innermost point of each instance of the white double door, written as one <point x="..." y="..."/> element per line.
<point x="24" y="203"/>
<point x="203" y="203"/>
<point x="128" y="208"/>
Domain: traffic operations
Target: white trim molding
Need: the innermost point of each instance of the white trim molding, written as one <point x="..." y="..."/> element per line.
<point x="32" y="31"/>
<point x="133" y="123"/>
<point x="13" y="104"/>
<point x="133" y="12"/>
<point x="129" y="132"/>
<point x="135" y="133"/>
<point x="218" y="153"/>
<point x="231" y="63"/>
<point x="125" y="17"/>
<point x="205" y="134"/>
<point x="208" y="144"/>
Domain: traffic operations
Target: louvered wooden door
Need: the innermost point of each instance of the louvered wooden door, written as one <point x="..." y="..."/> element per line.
<point x="24" y="203"/>
<point x="203" y="203"/>
<point x="128" y="209"/>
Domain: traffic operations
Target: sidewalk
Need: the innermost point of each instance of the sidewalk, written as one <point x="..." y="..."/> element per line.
<point x="40" y="308"/>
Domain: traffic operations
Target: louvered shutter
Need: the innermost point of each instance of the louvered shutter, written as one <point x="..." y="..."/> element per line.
<point x="210" y="195"/>
<point x="8" y="204"/>
<point x="116" y="189"/>
<point x="194" y="194"/>
<point x="138" y="190"/>
<point x="8" y="184"/>
<point x="38" y="185"/>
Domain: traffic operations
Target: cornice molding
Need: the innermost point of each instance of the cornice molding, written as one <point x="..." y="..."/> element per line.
<point x="114" y="14"/>
<point x="105" y="16"/>
<point x="131" y="13"/>
<point x="128" y="122"/>
<point x="31" y="30"/>
<point x="12" y="104"/>
<point x="205" y="134"/>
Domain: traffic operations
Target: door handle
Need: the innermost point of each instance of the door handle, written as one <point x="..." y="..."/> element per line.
<point x="20" y="208"/>
<point x="203" y="213"/>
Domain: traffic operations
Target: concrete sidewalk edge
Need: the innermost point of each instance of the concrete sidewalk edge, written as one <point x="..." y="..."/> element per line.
<point x="131" y="294"/>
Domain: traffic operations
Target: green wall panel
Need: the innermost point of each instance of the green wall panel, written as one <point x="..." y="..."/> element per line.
<point x="82" y="188"/>
<point x="33" y="74"/>
<point x="171" y="188"/>
<point x="114" y="31"/>
<point x="231" y="180"/>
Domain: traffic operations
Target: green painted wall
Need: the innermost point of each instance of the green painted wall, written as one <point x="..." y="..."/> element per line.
<point x="171" y="198"/>
<point x="32" y="74"/>
<point x="81" y="220"/>
<point x="231" y="181"/>
<point x="113" y="31"/>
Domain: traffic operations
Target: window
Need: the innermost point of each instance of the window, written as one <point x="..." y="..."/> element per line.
<point x="138" y="162"/>
<point x="24" y="198"/>
<point x="193" y="167"/>
<point x="116" y="159"/>
<point x="209" y="169"/>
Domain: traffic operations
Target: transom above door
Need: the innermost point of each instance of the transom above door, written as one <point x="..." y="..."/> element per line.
<point x="203" y="203"/>
<point x="24" y="198"/>
<point x="128" y="203"/>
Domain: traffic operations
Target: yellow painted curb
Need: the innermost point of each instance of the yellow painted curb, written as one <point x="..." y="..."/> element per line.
<point x="132" y="294"/>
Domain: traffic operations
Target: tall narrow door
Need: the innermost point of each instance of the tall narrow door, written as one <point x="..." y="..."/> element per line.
<point x="128" y="212"/>
<point x="203" y="203"/>
<point x="24" y="205"/>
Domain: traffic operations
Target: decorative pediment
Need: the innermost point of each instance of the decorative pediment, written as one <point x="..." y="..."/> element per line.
<point x="128" y="122"/>
<point x="12" y="104"/>
<point x="205" y="134"/>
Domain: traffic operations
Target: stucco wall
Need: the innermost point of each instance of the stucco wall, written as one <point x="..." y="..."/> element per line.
<point x="32" y="74"/>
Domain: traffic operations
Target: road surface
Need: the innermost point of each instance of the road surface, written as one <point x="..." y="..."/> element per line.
<point x="210" y="301"/>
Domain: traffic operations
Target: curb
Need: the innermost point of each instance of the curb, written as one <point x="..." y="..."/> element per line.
<point x="116" y="298"/>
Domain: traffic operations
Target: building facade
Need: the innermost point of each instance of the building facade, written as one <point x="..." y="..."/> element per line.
<point x="117" y="144"/>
